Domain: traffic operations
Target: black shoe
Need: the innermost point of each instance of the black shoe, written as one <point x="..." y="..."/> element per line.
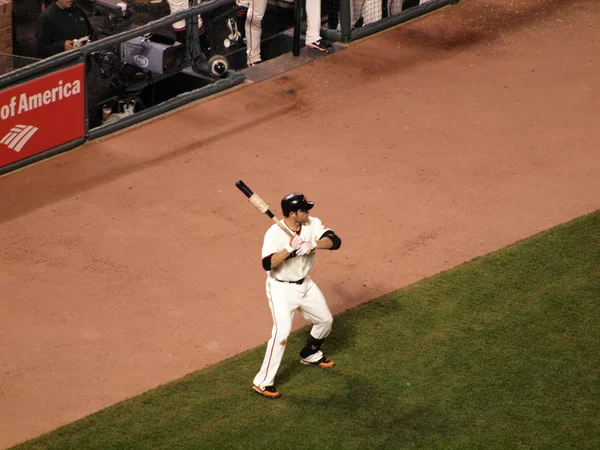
<point x="321" y="45"/>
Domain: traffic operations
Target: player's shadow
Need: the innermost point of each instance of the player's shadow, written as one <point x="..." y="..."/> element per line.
<point x="341" y="338"/>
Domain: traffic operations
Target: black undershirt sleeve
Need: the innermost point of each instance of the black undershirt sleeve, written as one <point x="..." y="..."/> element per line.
<point x="266" y="262"/>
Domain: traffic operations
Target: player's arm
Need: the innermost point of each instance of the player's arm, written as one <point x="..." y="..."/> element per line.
<point x="323" y="238"/>
<point x="329" y="241"/>
<point x="272" y="260"/>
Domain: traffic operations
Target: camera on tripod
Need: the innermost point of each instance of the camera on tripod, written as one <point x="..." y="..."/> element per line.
<point x="154" y="53"/>
<point x="162" y="55"/>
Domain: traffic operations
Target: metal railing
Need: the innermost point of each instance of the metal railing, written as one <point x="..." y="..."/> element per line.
<point x="347" y="32"/>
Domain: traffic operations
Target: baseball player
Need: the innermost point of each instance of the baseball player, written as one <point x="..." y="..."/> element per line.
<point x="288" y="262"/>
<point x="256" y="12"/>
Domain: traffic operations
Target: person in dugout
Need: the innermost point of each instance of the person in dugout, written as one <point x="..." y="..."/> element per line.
<point x="63" y="26"/>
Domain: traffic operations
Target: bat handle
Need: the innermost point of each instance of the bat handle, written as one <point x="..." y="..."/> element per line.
<point x="280" y="225"/>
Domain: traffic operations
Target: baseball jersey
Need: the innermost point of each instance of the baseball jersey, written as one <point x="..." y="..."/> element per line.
<point x="295" y="267"/>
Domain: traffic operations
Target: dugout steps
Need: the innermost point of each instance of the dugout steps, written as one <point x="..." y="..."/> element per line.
<point x="277" y="57"/>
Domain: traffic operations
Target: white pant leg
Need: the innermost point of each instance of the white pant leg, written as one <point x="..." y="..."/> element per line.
<point x="355" y="11"/>
<point x="372" y="12"/>
<point x="256" y="12"/>
<point x="313" y="21"/>
<point x="394" y="7"/>
<point x="283" y="301"/>
<point x="313" y="307"/>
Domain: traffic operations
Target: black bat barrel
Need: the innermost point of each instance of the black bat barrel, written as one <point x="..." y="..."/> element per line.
<point x="245" y="189"/>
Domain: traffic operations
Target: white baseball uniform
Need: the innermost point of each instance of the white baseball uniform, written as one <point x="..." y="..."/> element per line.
<point x="289" y="287"/>
<point x="256" y="12"/>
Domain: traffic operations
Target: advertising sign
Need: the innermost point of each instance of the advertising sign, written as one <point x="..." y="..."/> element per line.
<point x="41" y="114"/>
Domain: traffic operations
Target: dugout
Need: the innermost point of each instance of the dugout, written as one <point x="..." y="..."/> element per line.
<point x="349" y="20"/>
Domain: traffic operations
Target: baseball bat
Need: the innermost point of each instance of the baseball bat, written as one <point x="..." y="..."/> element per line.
<point x="260" y="204"/>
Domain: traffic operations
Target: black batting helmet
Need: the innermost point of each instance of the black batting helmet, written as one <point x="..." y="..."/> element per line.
<point x="295" y="202"/>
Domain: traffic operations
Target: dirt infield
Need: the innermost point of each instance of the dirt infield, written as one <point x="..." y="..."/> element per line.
<point x="134" y="260"/>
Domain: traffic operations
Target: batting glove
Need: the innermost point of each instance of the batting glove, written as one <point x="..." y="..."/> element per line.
<point x="294" y="244"/>
<point x="306" y="248"/>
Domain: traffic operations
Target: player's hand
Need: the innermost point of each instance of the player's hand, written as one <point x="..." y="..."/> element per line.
<point x="69" y="45"/>
<point x="306" y="248"/>
<point x="294" y="244"/>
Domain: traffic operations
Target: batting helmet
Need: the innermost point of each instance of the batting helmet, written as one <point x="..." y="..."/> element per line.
<point x="295" y="202"/>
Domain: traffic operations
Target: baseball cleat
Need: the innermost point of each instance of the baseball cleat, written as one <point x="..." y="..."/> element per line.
<point x="267" y="391"/>
<point x="323" y="362"/>
<point x="321" y="45"/>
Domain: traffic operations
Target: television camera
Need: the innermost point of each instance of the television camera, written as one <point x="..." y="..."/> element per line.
<point x="144" y="60"/>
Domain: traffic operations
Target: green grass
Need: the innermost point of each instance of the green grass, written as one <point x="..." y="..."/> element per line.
<point x="501" y="352"/>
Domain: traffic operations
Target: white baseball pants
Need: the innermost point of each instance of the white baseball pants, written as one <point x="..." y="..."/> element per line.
<point x="313" y="21"/>
<point x="284" y="300"/>
<point x="256" y="12"/>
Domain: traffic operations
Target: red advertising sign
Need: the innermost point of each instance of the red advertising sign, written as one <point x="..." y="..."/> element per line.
<point x="41" y="114"/>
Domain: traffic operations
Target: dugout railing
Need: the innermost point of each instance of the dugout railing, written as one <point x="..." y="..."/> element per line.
<point x="349" y="20"/>
<point x="44" y="106"/>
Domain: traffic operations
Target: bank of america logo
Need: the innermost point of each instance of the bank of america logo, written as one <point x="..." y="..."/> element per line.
<point x="18" y="136"/>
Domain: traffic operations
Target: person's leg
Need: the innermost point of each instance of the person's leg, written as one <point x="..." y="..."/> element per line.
<point x="240" y="16"/>
<point x="256" y="12"/>
<point x="372" y="11"/>
<point x="355" y="10"/>
<point x="179" y="26"/>
<point x="313" y="21"/>
<point x="282" y="302"/>
<point x="314" y="308"/>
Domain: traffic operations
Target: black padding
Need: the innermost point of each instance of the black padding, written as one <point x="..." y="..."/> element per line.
<point x="266" y="262"/>
<point x="313" y="345"/>
<point x="334" y="238"/>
